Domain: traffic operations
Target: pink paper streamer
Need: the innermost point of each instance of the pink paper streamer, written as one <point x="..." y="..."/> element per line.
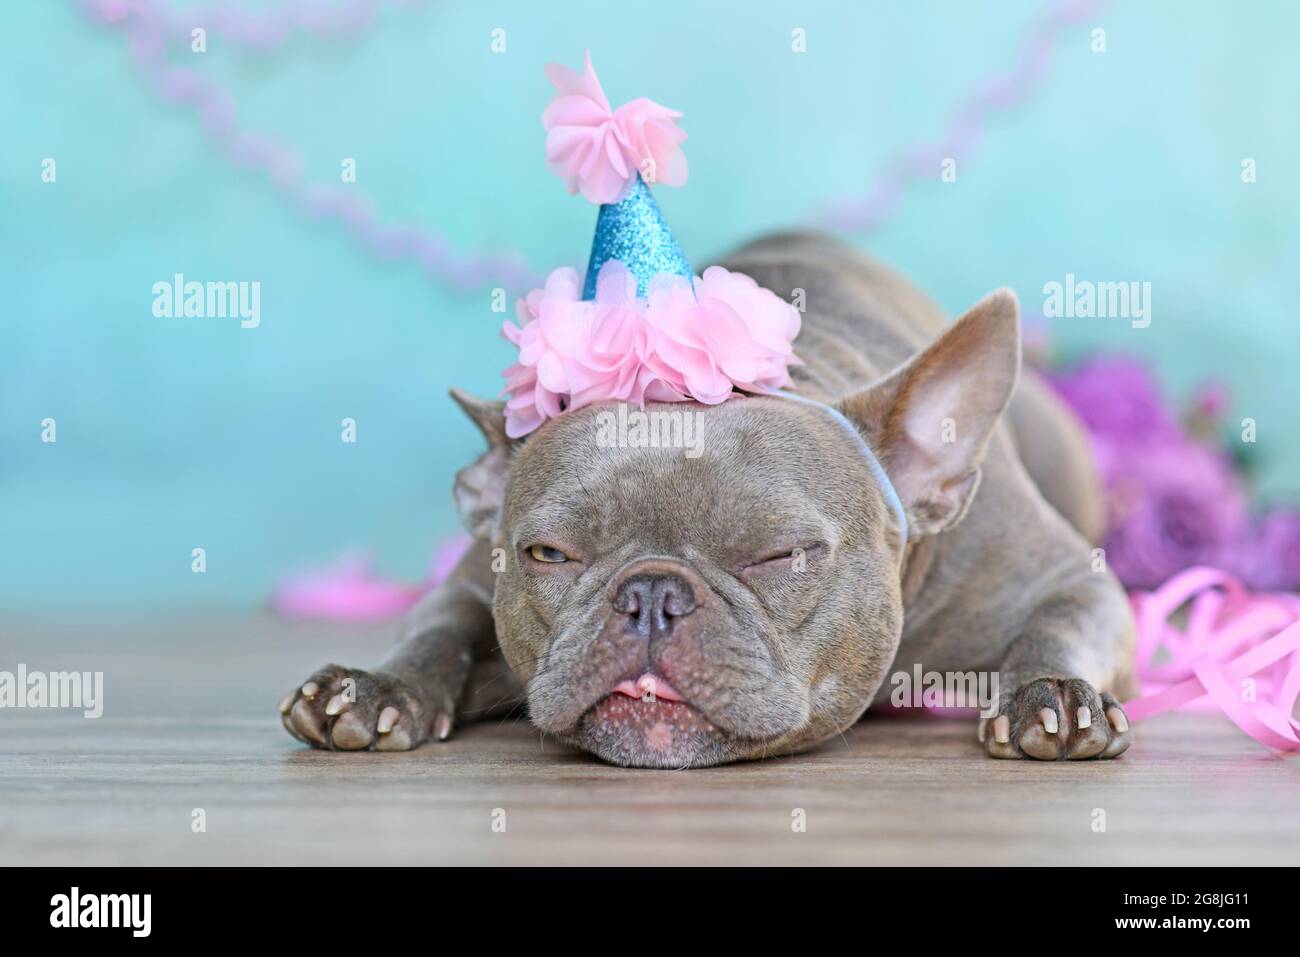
<point x="1239" y="653"/>
<point x="349" y="590"/>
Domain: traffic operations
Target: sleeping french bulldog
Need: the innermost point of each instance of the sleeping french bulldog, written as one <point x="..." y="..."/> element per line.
<point x="670" y="607"/>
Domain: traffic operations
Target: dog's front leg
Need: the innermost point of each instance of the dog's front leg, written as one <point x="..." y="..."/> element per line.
<point x="445" y="668"/>
<point x="1060" y="677"/>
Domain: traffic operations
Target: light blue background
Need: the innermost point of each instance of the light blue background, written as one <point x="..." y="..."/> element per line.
<point x="174" y="434"/>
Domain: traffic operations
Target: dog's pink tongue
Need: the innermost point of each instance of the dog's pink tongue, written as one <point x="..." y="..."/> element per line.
<point x="648" y="684"/>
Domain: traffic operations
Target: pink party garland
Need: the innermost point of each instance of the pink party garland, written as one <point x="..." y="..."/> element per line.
<point x="966" y="123"/>
<point x="149" y="25"/>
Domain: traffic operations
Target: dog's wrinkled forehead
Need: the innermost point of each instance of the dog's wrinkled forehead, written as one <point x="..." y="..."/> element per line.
<point x="687" y="471"/>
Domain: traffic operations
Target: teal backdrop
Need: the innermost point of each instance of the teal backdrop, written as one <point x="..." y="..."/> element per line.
<point x="175" y="434"/>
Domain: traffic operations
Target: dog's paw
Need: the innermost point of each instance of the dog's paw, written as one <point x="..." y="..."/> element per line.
<point x="342" y="709"/>
<point x="1057" y="719"/>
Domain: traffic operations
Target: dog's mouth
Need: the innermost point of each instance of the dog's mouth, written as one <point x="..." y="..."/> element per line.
<point x="647" y="688"/>
<point x="646" y="722"/>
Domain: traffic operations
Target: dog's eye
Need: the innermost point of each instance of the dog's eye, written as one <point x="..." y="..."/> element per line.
<point x="794" y="558"/>
<point x="785" y="556"/>
<point x="545" y="553"/>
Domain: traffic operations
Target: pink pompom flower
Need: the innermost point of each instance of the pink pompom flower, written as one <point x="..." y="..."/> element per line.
<point x="599" y="151"/>
<point x="725" y="332"/>
<point x="701" y="341"/>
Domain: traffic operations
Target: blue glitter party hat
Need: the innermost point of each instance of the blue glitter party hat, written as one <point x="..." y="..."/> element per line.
<point x="634" y="231"/>
<point x="703" y="339"/>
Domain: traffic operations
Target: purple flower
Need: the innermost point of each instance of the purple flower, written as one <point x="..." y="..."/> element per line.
<point x="1173" y="500"/>
<point x="1268" y="559"/>
<point x="1117" y="398"/>
<point x="1171" y="504"/>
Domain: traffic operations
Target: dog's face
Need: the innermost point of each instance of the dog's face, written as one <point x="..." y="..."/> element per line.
<point x="736" y="594"/>
<point x="747" y="598"/>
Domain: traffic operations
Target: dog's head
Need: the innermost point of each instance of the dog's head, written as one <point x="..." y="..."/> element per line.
<point x="704" y="584"/>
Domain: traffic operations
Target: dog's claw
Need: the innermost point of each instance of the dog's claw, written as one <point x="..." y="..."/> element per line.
<point x="1118" y="720"/>
<point x="387" y="718"/>
<point x="336" y="704"/>
<point x="1048" y="717"/>
<point x="1085" y="717"/>
<point x="287" y="702"/>
<point x="309" y="690"/>
<point x="1002" y="729"/>
<point x="307" y="722"/>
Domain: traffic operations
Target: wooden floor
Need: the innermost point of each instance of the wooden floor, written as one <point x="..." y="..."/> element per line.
<point x="190" y="722"/>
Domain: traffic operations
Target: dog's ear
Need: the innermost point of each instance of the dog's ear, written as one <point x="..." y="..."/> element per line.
<point x="932" y="417"/>
<point x="480" y="486"/>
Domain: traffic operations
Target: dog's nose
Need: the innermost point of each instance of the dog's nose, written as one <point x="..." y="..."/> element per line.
<point x="653" y="602"/>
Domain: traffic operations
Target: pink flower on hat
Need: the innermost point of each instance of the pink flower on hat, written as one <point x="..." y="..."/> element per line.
<point x="599" y="151"/>
<point x="722" y="333"/>
<point x="683" y="342"/>
<point x="573" y="353"/>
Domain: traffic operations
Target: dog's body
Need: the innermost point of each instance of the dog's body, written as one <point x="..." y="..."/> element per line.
<point x="765" y="585"/>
